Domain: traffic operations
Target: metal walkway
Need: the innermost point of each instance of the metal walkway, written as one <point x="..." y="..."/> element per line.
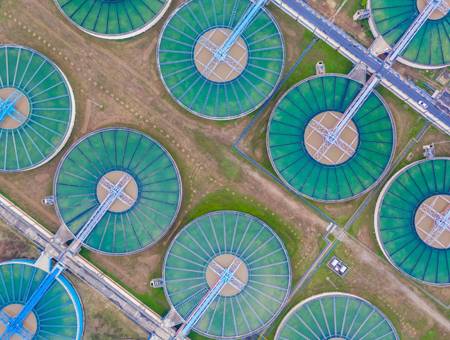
<point x="332" y="137"/>
<point x="226" y="277"/>
<point x="243" y="23"/>
<point x="7" y="107"/>
<point x="15" y="325"/>
<point x="139" y="313"/>
<point x="409" y="35"/>
<point x="354" y="51"/>
<point x="221" y="53"/>
<point x="441" y="223"/>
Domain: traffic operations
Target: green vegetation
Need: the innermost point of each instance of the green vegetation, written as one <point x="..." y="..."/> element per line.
<point x="333" y="60"/>
<point x="227" y="200"/>
<point x="324" y="280"/>
<point x="218" y="152"/>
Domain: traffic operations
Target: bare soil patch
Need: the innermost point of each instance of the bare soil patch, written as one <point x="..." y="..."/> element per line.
<point x="406" y="301"/>
<point x="115" y="75"/>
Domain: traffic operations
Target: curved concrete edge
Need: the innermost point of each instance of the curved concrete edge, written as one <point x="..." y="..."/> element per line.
<point x="353" y="57"/>
<point x="376" y="34"/>
<point x="215" y="118"/>
<point x="142" y="315"/>
<point x="72" y="112"/>
<point x="371" y="187"/>
<point x="180" y="184"/>
<point x="376" y="221"/>
<point x="327" y="294"/>
<point x="69" y="288"/>
<point x="286" y="298"/>
<point x="121" y="36"/>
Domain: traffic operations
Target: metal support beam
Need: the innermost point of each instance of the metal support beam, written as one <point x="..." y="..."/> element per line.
<point x="115" y="192"/>
<point x="417" y="24"/>
<point x="15" y="325"/>
<point x="441" y="222"/>
<point x="332" y="137"/>
<point x="7" y="105"/>
<point x="243" y="23"/>
<point x="23" y="332"/>
<point x="225" y="278"/>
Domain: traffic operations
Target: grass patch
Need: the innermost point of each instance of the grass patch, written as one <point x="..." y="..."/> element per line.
<point x="218" y="152"/>
<point x="227" y="200"/>
<point x="334" y="62"/>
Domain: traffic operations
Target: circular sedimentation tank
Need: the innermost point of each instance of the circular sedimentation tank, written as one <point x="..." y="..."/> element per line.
<point x="294" y="140"/>
<point x="37" y="109"/>
<point x="150" y="201"/>
<point x="58" y="315"/>
<point x="410" y="221"/>
<point x="113" y="19"/>
<point x="430" y="48"/>
<point x="213" y="242"/>
<point x="202" y="84"/>
<point x="336" y="316"/>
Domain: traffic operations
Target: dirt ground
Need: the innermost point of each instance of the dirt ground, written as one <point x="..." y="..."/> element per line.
<point x="12" y="246"/>
<point x="344" y="18"/>
<point x="130" y="96"/>
<point x="117" y="84"/>
<point x="394" y="293"/>
<point x="103" y="320"/>
<point x="364" y="227"/>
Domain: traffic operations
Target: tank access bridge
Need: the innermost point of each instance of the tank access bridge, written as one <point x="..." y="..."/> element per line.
<point x="68" y="258"/>
<point x="226" y="275"/>
<point x="357" y="53"/>
<point x="331" y="136"/>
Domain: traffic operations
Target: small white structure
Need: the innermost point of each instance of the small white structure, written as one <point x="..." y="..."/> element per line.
<point x="48" y="201"/>
<point x="338" y="266"/>
<point x="361" y="14"/>
<point x="428" y="151"/>
<point x="320" y="68"/>
<point x="157" y="283"/>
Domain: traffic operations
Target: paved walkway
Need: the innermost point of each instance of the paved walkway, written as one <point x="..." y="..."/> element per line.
<point x="43" y="239"/>
<point x="354" y="51"/>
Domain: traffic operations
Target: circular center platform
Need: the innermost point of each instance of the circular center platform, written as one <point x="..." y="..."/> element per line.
<point x="142" y="213"/>
<point x="220" y="86"/>
<point x="438" y="13"/>
<point x="410" y="221"/>
<point x="30" y="322"/>
<point x="21" y="109"/>
<point x="129" y="194"/>
<point x="223" y="69"/>
<point x="319" y="147"/>
<point x="432" y="228"/>
<point x="224" y="261"/>
<point x="246" y="246"/>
